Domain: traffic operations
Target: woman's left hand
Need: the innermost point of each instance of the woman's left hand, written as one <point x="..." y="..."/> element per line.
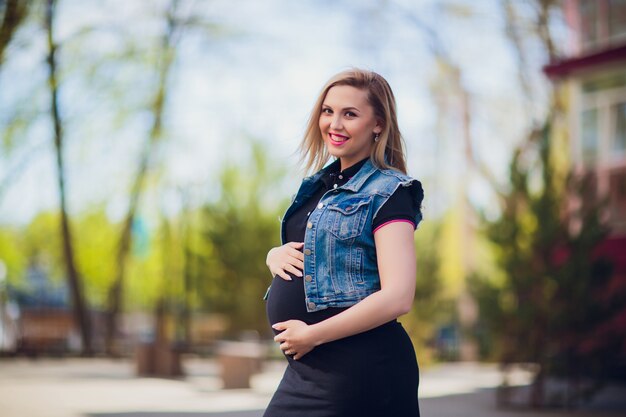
<point x="295" y="339"/>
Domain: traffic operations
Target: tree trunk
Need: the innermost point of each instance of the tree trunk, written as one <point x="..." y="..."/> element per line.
<point x="14" y="13"/>
<point x="81" y="317"/>
<point x="188" y="271"/>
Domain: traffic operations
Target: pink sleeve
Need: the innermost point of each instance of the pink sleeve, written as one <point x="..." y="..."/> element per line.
<point x="394" y="221"/>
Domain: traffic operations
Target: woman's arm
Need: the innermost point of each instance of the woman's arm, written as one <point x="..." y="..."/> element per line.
<point x="395" y="250"/>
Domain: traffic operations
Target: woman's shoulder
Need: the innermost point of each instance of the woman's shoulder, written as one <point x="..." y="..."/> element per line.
<point x="388" y="181"/>
<point x="404" y="181"/>
<point x="397" y="176"/>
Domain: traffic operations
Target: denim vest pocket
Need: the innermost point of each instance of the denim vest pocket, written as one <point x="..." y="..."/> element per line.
<point x="346" y="218"/>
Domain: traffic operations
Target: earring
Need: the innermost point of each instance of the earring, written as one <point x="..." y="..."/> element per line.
<point x="376" y="137"/>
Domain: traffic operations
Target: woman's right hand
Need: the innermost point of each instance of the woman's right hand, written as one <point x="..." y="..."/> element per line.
<point x="286" y="259"/>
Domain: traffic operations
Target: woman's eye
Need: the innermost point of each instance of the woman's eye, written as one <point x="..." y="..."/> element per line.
<point x="327" y="111"/>
<point x="350" y="114"/>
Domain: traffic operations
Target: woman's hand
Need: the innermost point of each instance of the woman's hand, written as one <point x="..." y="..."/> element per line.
<point x="295" y="339"/>
<point x="285" y="259"/>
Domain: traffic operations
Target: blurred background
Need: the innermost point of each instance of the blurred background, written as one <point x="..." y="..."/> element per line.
<point x="148" y="151"/>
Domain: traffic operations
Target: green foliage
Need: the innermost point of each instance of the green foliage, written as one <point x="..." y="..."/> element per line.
<point x="238" y="229"/>
<point x="95" y="238"/>
<point x="547" y="308"/>
<point x="524" y="238"/>
<point x="13" y="258"/>
<point x="41" y="242"/>
<point x="210" y="259"/>
<point x="155" y="275"/>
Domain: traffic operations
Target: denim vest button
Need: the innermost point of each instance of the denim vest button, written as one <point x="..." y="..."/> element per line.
<point x="307" y="251"/>
<point x="309" y="225"/>
<point x="320" y="205"/>
<point x="308" y="278"/>
<point x="311" y="306"/>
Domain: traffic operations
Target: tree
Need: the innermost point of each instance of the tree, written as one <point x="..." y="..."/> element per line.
<point x="239" y="228"/>
<point x="166" y="56"/>
<point x="13" y="13"/>
<point x="81" y="316"/>
<point x="552" y="299"/>
<point x="95" y="239"/>
<point x="542" y="306"/>
<point x="524" y="239"/>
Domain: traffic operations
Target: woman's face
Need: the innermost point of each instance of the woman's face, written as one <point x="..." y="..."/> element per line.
<point x="348" y="124"/>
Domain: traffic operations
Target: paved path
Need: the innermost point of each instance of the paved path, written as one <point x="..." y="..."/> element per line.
<point x="108" y="388"/>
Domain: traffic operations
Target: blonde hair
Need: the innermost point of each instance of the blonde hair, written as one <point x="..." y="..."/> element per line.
<point x="387" y="152"/>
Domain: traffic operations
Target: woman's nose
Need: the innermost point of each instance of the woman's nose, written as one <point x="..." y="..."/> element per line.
<point x="335" y="123"/>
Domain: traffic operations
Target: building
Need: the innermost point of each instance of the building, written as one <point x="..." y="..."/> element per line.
<point x="593" y="76"/>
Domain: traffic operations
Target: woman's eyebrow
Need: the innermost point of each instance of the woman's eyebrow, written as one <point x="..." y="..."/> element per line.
<point x="345" y="108"/>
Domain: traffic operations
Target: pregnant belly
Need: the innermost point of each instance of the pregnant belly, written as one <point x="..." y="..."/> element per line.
<point x="286" y="301"/>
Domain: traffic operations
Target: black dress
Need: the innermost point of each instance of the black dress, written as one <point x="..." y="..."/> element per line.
<point x="371" y="374"/>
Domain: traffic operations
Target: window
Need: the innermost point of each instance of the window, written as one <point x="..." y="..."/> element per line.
<point x="617" y="19"/>
<point x="618" y="147"/>
<point x="617" y="199"/>
<point x="602" y="119"/>
<point x="602" y="23"/>
<point x="610" y="82"/>
<point x="589" y="137"/>
<point x="588" y="21"/>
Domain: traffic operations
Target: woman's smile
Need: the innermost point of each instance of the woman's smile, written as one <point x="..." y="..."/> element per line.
<point x="336" y="139"/>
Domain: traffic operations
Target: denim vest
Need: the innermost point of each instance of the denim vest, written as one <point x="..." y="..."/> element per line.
<point x="340" y="266"/>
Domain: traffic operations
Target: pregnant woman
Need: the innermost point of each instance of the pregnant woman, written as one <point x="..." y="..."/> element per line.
<point x="346" y="269"/>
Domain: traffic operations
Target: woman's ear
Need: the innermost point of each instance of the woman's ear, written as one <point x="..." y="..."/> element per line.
<point x="378" y="129"/>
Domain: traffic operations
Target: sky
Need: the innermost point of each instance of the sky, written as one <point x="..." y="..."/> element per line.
<point x="256" y="76"/>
